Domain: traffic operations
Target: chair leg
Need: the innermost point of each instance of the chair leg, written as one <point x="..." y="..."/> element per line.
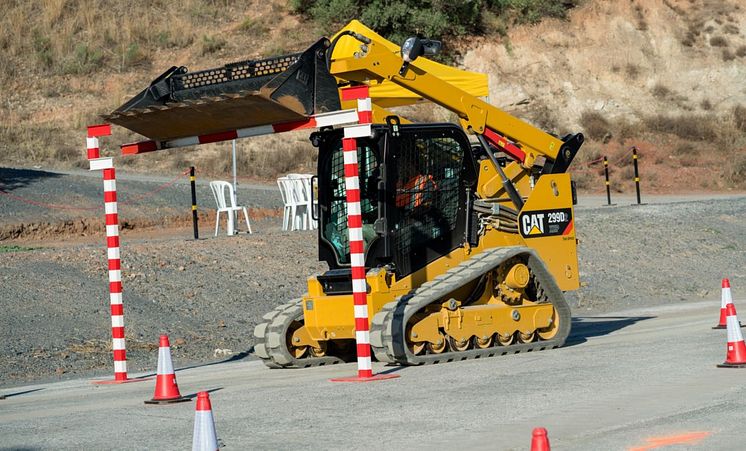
<point x="246" y="216"/>
<point x="231" y="222"/>
<point x="285" y="217"/>
<point x="217" y="222"/>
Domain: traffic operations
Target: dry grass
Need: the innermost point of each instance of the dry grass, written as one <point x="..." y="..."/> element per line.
<point x="660" y="91"/>
<point x="730" y="29"/>
<point x="66" y="62"/>
<point x="718" y="41"/>
<point x="595" y="125"/>
<point x="739" y="118"/>
<point x="62" y="37"/>
<point x="692" y="127"/>
<point x="735" y="172"/>
<point x="632" y="71"/>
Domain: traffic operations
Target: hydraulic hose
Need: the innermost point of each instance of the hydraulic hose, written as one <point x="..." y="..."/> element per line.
<point x="507" y="184"/>
<point x="330" y="50"/>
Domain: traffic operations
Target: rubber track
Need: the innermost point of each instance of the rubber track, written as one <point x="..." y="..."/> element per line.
<point x="271" y="345"/>
<point x="388" y="326"/>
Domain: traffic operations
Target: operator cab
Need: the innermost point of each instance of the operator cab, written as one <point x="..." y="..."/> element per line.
<point x="414" y="189"/>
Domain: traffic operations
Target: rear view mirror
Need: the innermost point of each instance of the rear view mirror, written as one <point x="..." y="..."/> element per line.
<point x="414" y="47"/>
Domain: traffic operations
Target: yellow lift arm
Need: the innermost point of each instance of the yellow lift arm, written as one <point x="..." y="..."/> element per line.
<point x="378" y="63"/>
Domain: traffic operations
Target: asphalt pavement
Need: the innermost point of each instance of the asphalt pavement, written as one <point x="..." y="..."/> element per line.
<point x="628" y="380"/>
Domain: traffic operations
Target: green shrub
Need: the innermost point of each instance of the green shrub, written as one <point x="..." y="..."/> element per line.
<point x="433" y="18"/>
<point x="43" y="49"/>
<point x="84" y="59"/>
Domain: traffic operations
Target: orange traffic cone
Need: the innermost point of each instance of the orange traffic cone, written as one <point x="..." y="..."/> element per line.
<point x="725" y="299"/>
<point x="735" y="356"/>
<point x="539" y="440"/>
<point x="205" y="438"/>
<point x="166" y="389"/>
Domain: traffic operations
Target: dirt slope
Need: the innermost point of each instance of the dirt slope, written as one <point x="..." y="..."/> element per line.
<point x="663" y="75"/>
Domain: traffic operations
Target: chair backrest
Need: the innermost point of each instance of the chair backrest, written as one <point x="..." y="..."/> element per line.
<point x="301" y="187"/>
<point x="291" y="194"/>
<point x="219" y="189"/>
<point x="283" y="191"/>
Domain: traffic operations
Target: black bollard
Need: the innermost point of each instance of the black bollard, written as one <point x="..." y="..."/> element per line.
<point x="637" y="174"/>
<point x="192" y="180"/>
<point x="608" y="188"/>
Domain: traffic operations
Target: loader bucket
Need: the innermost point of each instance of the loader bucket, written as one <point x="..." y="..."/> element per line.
<point x="281" y="89"/>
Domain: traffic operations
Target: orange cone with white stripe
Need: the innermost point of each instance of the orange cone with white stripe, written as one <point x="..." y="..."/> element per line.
<point x="205" y="438"/>
<point x="725" y="298"/>
<point x="539" y="440"/>
<point x="166" y="389"/>
<point x="735" y="356"/>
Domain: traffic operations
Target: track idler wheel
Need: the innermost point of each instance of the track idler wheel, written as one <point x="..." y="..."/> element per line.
<point x="505" y="340"/>
<point x="439" y="347"/>
<point x="320" y="351"/>
<point x="550" y="331"/>
<point x="459" y="346"/>
<point x="298" y="352"/>
<point x="526" y="337"/>
<point x="484" y="342"/>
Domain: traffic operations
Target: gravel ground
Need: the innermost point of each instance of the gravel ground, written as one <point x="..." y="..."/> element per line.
<point x="77" y="196"/>
<point x="209" y="294"/>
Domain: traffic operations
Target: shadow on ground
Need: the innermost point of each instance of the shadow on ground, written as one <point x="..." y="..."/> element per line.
<point x="586" y="327"/>
<point x="233" y="358"/>
<point x="10" y="395"/>
<point x="11" y="179"/>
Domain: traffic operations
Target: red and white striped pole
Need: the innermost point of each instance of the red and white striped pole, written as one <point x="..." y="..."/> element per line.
<point x="106" y="165"/>
<point x="355" y="230"/>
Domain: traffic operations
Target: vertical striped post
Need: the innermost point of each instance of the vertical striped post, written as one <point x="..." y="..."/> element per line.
<point x="192" y="181"/>
<point x="115" y="273"/>
<point x="355" y="230"/>
<point x="106" y="165"/>
<point x="637" y="174"/>
<point x="608" y="186"/>
<point x="357" y="257"/>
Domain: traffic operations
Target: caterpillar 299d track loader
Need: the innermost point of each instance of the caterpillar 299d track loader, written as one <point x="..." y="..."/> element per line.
<point x="469" y="244"/>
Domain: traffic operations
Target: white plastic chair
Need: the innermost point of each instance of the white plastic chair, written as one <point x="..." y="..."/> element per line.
<point x="302" y="190"/>
<point x="219" y="189"/>
<point x="308" y="197"/>
<point x="287" y="191"/>
<point x="300" y="218"/>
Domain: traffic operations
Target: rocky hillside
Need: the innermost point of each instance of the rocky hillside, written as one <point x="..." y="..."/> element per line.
<point x="664" y="76"/>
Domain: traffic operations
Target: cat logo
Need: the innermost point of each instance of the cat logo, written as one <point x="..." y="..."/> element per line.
<point x="532" y="224"/>
<point x="535" y="224"/>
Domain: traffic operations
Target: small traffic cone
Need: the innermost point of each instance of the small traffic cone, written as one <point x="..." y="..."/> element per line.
<point x="205" y="438"/>
<point x="166" y="389"/>
<point x="725" y="299"/>
<point x="735" y="356"/>
<point x="539" y="440"/>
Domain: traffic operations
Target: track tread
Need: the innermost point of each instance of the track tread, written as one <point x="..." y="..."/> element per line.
<point x="271" y="346"/>
<point x="388" y="325"/>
